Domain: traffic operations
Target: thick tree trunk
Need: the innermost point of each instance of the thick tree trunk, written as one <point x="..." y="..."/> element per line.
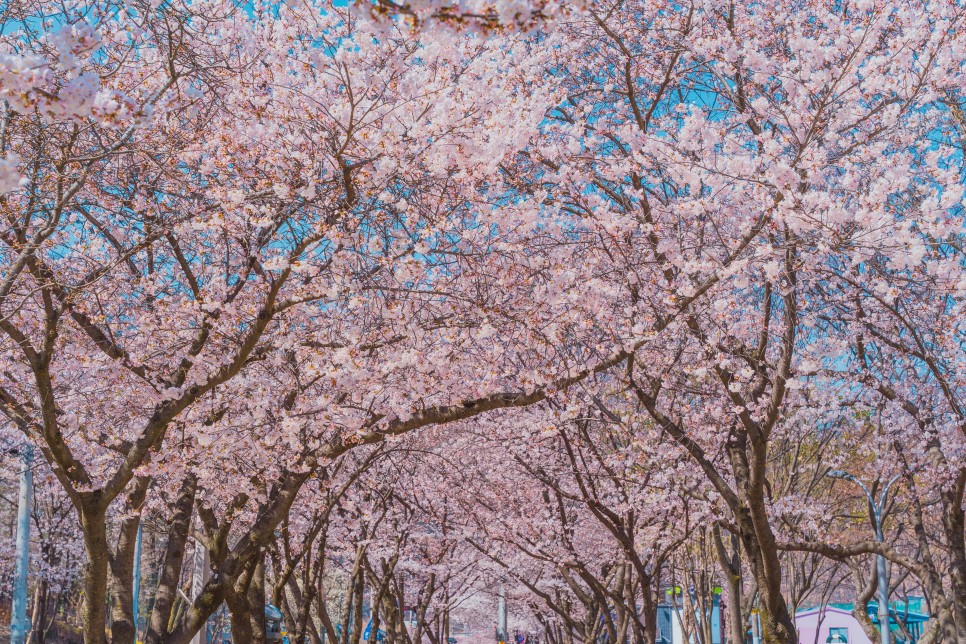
<point x="648" y="619"/>
<point x="776" y="623"/>
<point x="730" y="561"/>
<point x="167" y="590"/>
<point x="123" y="630"/>
<point x="359" y="590"/>
<point x="391" y="616"/>
<point x="211" y="598"/>
<point x="954" y="528"/>
<point x="239" y="608"/>
<point x="941" y="627"/>
<point x="376" y="619"/>
<point x="304" y="616"/>
<point x="748" y="463"/>
<point x="122" y="592"/>
<point x="93" y="523"/>
<point x="425" y="599"/>
<point x="256" y="602"/>
<point x="239" y="612"/>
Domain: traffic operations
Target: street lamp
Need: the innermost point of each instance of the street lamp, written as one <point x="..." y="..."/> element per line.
<point x="880" y="562"/>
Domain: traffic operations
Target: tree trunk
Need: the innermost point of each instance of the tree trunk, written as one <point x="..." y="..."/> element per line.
<point x="359" y="590"/>
<point x="93" y="523"/>
<point x="748" y="463"/>
<point x="954" y="528"/>
<point x="256" y="602"/>
<point x="38" y="619"/>
<point x="776" y="623"/>
<point x="375" y="621"/>
<point x="240" y="609"/>
<point x="350" y="593"/>
<point x="198" y="613"/>
<point x="167" y="590"/>
<point x="324" y="617"/>
<point x="239" y="614"/>
<point x="730" y="562"/>
<point x="648" y="619"/>
<point x="304" y="617"/>
<point x="122" y="592"/>
<point x="123" y="630"/>
<point x="425" y="600"/>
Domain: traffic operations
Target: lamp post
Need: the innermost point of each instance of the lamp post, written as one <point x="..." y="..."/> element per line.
<point x="501" y="634"/>
<point x="877" y="508"/>
<point x="19" y="622"/>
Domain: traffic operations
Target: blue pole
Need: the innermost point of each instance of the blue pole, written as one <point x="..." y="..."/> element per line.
<point x="19" y="623"/>
<point x="137" y="579"/>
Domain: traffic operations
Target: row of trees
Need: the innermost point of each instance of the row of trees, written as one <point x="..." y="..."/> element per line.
<point x="640" y="273"/>
<point x="587" y="522"/>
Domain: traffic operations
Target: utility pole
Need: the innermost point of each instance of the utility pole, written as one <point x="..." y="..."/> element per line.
<point x="137" y="580"/>
<point x="501" y="634"/>
<point x="19" y="622"/>
<point x="885" y="631"/>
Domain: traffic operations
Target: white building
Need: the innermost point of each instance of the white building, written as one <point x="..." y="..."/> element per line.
<point x="670" y="624"/>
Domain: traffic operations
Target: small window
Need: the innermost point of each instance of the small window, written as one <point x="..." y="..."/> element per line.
<point x="838" y="636"/>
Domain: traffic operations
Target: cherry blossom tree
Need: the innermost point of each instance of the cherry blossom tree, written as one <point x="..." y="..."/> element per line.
<point x="738" y="138"/>
<point x="243" y="248"/>
<point x="272" y="263"/>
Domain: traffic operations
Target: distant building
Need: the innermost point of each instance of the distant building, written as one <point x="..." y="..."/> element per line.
<point x="818" y="626"/>
<point x="670" y="628"/>
<point x="835" y="623"/>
